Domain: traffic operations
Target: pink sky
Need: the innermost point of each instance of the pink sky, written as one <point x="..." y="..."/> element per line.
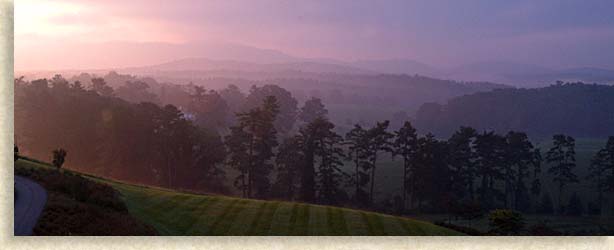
<point x="71" y="34"/>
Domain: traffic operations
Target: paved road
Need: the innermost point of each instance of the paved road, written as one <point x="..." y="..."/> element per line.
<point x="29" y="203"/>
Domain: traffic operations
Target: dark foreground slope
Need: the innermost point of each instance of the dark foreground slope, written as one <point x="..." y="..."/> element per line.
<point x="175" y="213"/>
<point x="79" y="206"/>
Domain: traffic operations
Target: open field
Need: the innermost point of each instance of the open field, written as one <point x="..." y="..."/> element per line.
<point x="175" y="213"/>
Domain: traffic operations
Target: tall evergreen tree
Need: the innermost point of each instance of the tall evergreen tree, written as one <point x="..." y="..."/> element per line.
<point x="490" y="152"/>
<point x="358" y="144"/>
<point x="329" y="171"/>
<point x="290" y="162"/>
<point x="601" y="171"/>
<point x="312" y="109"/>
<point x="520" y="157"/>
<point x="562" y="160"/>
<point x="462" y="161"/>
<point x="257" y="135"/>
<point x="379" y="140"/>
<point x="406" y="145"/>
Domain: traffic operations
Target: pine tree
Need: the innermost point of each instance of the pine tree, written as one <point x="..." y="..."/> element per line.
<point x="462" y="161"/>
<point x="490" y="153"/>
<point x="379" y="140"/>
<point x="601" y="171"/>
<point x="406" y="145"/>
<point x="255" y="134"/>
<point x="358" y="144"/>
<point x="329" y="172"/>
<point x="290" y="162"/>
<point x="562" y="157"/>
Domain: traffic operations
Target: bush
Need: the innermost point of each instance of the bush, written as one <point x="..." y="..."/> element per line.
<point x="505" y="222"/>
<point x="59" y="156"/>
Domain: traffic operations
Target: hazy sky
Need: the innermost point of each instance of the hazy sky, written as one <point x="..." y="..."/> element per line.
<point x="555" y="33"/>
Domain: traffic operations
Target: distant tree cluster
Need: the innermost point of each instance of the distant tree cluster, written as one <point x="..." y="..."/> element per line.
<point x="576" y="109"/>
<point x="108" y="136"/>
<point x="274" y="149"/>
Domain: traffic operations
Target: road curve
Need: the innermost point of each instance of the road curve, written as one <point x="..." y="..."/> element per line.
<point x="30" y="200"/>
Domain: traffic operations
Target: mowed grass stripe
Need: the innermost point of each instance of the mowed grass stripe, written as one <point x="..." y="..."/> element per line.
<point x="211" y="220"/>
<point x="317" y="221"/>
<point x="222" y="225"/>
<point x="172" y="207"/>
<point x="148" y="209"/>
<point x="336" y="221"/>
<point x="301" y="223"/>
<point x="198" y="225"/>
<point x="374" y="225"/>
<point x="191" y="215"/>
<point x="355" y="223"/>
<point x="263" y="223"/>
<point x="254" y="224"/>
<point x="292" y="223"/>
<point x="244" y="219"/>
<point x="281" y="224"/>
<point x="391" y="226"/>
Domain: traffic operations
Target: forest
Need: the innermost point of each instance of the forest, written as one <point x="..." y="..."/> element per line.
<point x="576" y="109"/>
<point x="264" y="145"/>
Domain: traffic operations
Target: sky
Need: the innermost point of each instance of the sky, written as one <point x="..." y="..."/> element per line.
<point x="79" y="34"/>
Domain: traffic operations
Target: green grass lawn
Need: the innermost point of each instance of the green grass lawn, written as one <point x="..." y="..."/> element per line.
<point x="175" y="213"/>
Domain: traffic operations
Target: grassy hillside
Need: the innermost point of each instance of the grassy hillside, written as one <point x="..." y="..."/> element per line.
<point x="174" y="213"/>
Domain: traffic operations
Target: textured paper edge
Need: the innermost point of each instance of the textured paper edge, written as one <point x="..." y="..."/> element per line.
<point x="8" y="241"/>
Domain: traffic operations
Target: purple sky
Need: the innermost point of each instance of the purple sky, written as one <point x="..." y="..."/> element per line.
<point x="555" y="33"/>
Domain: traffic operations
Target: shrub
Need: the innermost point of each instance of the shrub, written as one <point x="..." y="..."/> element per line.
<point x="59" y="156"/>
<point x="505" y="222"/>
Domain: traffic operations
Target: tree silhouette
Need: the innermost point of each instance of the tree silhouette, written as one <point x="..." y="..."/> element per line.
<point x="520" y="157"/>
<point x="101" y="87"/>
<point x="379" y="140"/>
<point x="238" y="144"/>
<point x="462" y="161"/>
<point x="601" y="171"/>
<point x="290" y="162"/>
<point x="312" y="109"/>
<point x="329" y="172"/>
<point x="562" y="157"/>
<point x="358" y="144"/>
<point x="287" y="105"/>
<point x="208" y="108"/>
<point x="406" y="145"/>
<point x="59" y="156"/>
<point x="312" y="137"/>
<point x="255" y="134"/>
<point x="16" y="152"/>
<point x="490" y="152"/>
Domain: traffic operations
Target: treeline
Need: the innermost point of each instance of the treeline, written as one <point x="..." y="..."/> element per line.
<point x="108" y="136"/>
<point x="577" y="109"/>
<point x="272" y="149"/>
